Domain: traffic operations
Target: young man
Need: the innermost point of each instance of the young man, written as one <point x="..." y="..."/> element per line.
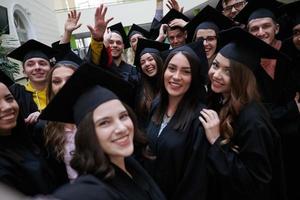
<point x="35" y="57"/>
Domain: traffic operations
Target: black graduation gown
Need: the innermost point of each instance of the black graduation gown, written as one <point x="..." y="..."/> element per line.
<point x="291" y="139"/>
<point x="121" y="186"/>
<point x="24" y="99"/>
<point x="23" y="168"/>
<point x="180" y="165"/>
<point x="256" y="171"/>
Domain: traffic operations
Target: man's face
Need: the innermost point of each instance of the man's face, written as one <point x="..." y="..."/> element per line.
<point x="264" y="28"/>
<point x="176" y="37"/>
<point x="296" y="36"/>
<point x="36" y="69"/>
<point x="233" y="7"/>
<point x="116" y="44"/>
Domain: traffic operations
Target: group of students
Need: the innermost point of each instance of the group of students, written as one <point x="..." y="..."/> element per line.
<point x="214" y="114"/>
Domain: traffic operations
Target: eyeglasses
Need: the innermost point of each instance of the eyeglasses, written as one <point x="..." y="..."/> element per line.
<point x="208" y="39"/>
<point x="238" y="6"/>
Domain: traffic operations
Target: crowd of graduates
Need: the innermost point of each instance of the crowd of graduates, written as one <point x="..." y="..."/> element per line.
<point x="207" y="109"/>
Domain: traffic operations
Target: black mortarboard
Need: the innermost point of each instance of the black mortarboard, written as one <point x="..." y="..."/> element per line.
<point x="137" y="29"/>
<point x="173" y="14"/>
<point x="258" y="9"/>
<point x="65" y="54"/>
<point x="245" y="48"/>
<point x="293" y="11"/>
<point x="119" y="29"/>
<point x="219" y="6"/>
<point x="208" y="18"/>
<point x="5" y="79"/>
<point x="196" y="50"/>
<point x="32" y="49"/>
<point x="148" y="46"/>
<point x="79" y="95"/>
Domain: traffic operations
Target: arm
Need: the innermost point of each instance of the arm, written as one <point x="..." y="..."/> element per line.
<point x="98" y="32"/>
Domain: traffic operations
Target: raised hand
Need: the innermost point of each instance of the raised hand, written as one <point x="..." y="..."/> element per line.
<point x="72" y="22"/>
<point x="173" y="4"/>
<point x="211" y="123"/>
<point x="100" y="23"/>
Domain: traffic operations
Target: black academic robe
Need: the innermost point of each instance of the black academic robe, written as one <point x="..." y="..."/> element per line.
<point x="121" y="186"/>
<point x="24" y="99"/>
<point x="180" y="165"/>
<point x="23" y="168"/>
<point x="290" y="140"/>
<point x="255" y="171"/>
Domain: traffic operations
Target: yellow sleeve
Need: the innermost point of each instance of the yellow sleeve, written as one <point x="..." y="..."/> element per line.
<point x="96" y="49"/>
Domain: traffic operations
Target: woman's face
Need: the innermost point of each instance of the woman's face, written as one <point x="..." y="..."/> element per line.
<point x="210" y="41"/>
<point x="114" y="129"/>
<point x="178" y="76"/>
<point x="9" y="110"/>
<point x="59" y="77"/>
<point x="134" y="40"/>
<point x="219" y="75"/>
<point x="148" y="65"/>
<point x="296" y="36"/>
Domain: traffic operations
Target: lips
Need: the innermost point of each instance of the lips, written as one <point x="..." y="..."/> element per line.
<point x="8" y="117"/>
<point x="150" y="69"/>
<point x="122" y="141"/>
<point x="174" y="85"/>
<point x="216" y="84"/>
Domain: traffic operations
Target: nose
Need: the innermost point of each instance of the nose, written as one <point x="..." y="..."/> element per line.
<point x="120" y="126"/>
<point x="176" y="75"/>
<point x="260" y="31"/>
<point x="205" y="43"/>
<point x="233" y="9"/>
<point x="217" y="74"/>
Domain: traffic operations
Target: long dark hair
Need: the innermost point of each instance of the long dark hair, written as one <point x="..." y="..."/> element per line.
<point x="243" y="91"/>
<point x="149" y="88"/>
<point x="191" y="99"/>
<point x="89" y="157"/>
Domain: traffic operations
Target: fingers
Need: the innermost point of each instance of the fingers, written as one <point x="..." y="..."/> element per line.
<point x="109" y="20"/>
<point x="91" y="29"/>
<point x="32" y="118"/>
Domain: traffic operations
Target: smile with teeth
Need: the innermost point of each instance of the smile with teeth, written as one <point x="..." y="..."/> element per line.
<point x="9" y="116"/>
<point x="175" y="85"/>
<point x="217" y="84"/>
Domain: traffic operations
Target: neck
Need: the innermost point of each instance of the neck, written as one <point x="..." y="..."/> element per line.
<point x="117" y="60"/>
<point x="172" y="106"/>
<point x="120" y="162"/>
<point x="38" y="86"/>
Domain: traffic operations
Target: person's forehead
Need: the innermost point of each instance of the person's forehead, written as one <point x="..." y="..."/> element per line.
<point x="297" y="27"/>
<point x="260" y="21"/>
<point x="175" y="31"/>
<point x="116" y="37"/>
<point x="231" y="2"/>
<point x="36" y="60"/>
<point x="137" y="35"/>
<point x="206" y="32"/>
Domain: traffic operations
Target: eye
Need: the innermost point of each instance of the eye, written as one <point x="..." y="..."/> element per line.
<point x="103" y="123"/>
<point x="124" y="116"/>
<point x="171" y="68"/>
<point x="187" y="71"/>
<point x="56" y="81"/>
<point x="214" y="65"/>
<point x="9" y="98"/>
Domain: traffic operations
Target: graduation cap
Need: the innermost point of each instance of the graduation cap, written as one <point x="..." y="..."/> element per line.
<point x="148" y="46"/>
<point x="208" y="18"/>
<point x="195" y="49"/>
<point x="256" y="9"/>
<point x="5" y="79"/>
<point x="119" y="29"/>
<point x="173" y="14"/>
<point x="245" y="48"/>
<point x="135" y="29"/>
<point x="32" y="49"/>
<point x="87" y="88"/>
<point x="293" y="11"/>
<point x="65" y="55"/>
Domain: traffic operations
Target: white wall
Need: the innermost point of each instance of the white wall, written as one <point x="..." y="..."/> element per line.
<point x="41" y="17"/>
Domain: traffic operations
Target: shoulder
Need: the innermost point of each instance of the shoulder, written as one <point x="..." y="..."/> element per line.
<point x="86" y="187"/>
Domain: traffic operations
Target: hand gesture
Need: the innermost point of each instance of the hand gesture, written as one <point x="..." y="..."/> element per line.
<point x="106" y="37"/>
<point x="178" y="22"/>
<point x="211" y="123"/>
<point x="32" y="118"/>
<point x="162" y="33"/>
<point x="173" y="4"/>
<point x="100" y="23"/>
<point x="72" y="22"/>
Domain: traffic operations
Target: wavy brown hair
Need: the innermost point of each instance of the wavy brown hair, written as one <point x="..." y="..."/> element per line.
<point x="55" y="131"/>
<point x="243" y="91"/>
<point x="89" y="157"/>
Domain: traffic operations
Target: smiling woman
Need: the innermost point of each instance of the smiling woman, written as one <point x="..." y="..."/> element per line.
<point x="106" y="134"/>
